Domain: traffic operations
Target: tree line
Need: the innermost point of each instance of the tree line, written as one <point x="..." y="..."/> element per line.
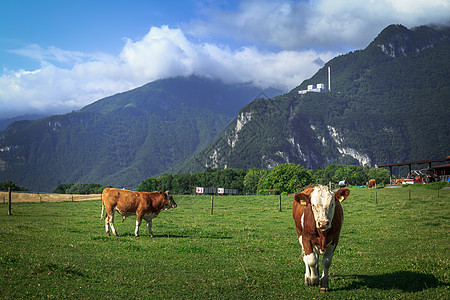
<point x="79" y="188"/>
<point x="14" y="187"/>
<point x="285" y="178"/>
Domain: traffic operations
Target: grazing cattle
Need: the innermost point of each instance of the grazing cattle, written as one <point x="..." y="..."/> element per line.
<point x="127" y="203"/>
<point x="372" y="183"/>
<point x="343" y="184"/>
<point x="318" y="217"/>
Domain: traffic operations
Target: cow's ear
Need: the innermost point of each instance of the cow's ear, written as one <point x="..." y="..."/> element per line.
<point x="302" y="199"/>
<point x="342" y="194"/>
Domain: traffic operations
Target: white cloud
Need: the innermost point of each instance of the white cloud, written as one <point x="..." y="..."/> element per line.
<point x="332" y="24"/>
<point x="162" y="53"/>
<point x="69" y="80"/>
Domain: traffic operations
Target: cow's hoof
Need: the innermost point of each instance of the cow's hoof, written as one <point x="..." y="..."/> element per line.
<point x="324" y="285"/>
<point x="311" y="282"/>
<point x="151" y="235"/>
<point x="136" y="235"/>
<point x="115" y="234"/>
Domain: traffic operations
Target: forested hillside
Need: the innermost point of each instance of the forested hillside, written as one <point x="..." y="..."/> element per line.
<point x="388" y="103"/>
<point x="122" y="139"/>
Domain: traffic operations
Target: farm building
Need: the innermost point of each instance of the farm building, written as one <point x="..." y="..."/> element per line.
<point x="443" y="171"/>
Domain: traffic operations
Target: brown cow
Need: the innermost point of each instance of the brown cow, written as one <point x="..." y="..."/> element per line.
<point x="127" y="203"/>
<point x="318" y="217"/>
<point x="372" y="183"/>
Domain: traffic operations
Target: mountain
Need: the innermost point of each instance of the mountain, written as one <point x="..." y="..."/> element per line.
<point x="123" y="139"/>
<point x="388" y="103"/>
<point x="5" y="122"/>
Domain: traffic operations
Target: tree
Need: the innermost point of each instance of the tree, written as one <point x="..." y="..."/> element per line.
<point x="78" y="188"/>
<point x="62" y="188"/>
<point x="329" y="173"/>
<point x="232" y="179"/>
<point x="381" y="175"/>
<point x="148" y="185"/>
<point x="164" y="182"/>
<point x="182" y="184"/>
<point x="288" y="178"/>
<point x="14" y="187"/>
<point x="353" y="174"/>
<point x="96" y="188"/>
<point x="252" y="179"/>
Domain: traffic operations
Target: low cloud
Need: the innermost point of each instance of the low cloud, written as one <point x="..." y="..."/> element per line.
<point x="70" y="80"/>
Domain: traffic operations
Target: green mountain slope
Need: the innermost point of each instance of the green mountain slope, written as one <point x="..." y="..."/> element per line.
<point x="122" y="139"/>
<point x="388" y="103"/>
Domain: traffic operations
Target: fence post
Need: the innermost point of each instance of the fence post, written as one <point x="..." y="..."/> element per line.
<point x="9" y="201"/>
<point x="409" y="194"/>
<point x="376" y="198"/>
<point x="279" y="203"/>
<point x="438" y="191"/>
<point x="212" y="204"/>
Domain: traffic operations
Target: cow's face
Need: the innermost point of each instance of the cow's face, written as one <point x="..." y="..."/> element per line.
<point x="168" y="201"/>
<point x="323" y="204"/>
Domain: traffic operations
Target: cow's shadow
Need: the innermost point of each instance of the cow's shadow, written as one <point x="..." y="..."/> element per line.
<point x="177" y="236"/>
<point x="189" y="236"/>
<point x="131" y="234"/>
<point x="406" y="281"/>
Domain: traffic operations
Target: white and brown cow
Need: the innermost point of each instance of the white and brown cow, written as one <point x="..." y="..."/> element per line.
<point x="143" y="205"/>
<point x="318" y="216"/>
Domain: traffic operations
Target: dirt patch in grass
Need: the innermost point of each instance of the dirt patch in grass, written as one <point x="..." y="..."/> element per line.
<point x="34" y="197"/>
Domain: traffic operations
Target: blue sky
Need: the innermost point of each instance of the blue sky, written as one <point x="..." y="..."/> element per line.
<point x="57" y="56"/>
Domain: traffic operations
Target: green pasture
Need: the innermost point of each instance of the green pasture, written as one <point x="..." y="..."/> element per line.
<point x="391" y="247"/>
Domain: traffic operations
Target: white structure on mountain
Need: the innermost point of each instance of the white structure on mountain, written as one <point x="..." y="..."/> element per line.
<point x="320" y="88"/>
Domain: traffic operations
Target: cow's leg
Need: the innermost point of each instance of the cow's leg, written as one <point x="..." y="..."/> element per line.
<point x="109" y="220"/>
<point x="107" y="225"/>
<point x="136" y="231"/>
<point x="311" y="268"/>
<point x="111" y="223"/>
<point x="149" y="225"/>
<point x="312" y="275"/>
<point x="326" y="261"/>
<point x="138" y="223"/>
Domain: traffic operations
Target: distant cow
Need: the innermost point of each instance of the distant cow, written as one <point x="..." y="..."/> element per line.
<point x="144" y="205"/>
<point x="343" y="184"/>
<point x="318" y="217"/>
<point x="372" y="183"/>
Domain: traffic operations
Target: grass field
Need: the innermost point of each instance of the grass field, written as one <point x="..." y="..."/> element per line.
<point x="394" y="248"/>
